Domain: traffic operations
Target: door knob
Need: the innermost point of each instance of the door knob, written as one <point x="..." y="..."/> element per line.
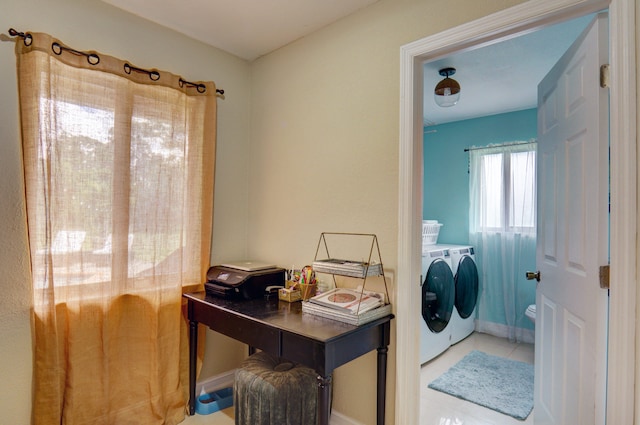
<point x="533" y="275"/>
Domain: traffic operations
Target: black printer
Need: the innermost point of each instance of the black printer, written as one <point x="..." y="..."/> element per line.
<point x="235" y="283"/>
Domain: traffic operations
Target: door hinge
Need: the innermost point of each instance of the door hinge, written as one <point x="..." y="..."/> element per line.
<point x="604" y="75"/>
<point x="604" y="277"/>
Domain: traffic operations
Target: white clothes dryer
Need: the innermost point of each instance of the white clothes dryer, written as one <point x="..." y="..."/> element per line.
<point x="438" y="297"/>
<point x="465" y="275"/>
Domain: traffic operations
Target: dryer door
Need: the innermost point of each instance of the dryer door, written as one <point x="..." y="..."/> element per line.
<point x="466" y="286"/>
<point x="438" y="295"/>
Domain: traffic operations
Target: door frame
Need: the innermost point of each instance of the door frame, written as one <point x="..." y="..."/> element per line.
<point x="622" y="373"/>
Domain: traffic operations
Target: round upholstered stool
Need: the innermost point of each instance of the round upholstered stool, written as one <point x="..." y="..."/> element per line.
<point x="273" y="391"/>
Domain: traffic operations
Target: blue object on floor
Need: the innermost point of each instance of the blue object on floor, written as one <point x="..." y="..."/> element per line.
<point x="212" y="402"/>
<point x="500" y="384"/>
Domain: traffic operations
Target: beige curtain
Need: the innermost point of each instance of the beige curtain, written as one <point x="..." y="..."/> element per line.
<point x="118" y="169"/>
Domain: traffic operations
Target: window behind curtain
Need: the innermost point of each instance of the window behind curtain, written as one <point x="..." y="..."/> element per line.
<point x="507" y="189"/>
<point x="118" y="180"/>
<point x="119" y="193"/>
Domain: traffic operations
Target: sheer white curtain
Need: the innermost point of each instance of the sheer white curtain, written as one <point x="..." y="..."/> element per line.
<point x="503" y="229"/>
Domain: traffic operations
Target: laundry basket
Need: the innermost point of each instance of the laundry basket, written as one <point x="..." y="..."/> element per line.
<point x="430" y="231"/>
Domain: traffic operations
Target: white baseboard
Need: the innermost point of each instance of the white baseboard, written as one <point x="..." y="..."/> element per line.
<point x="338" y="418"/>
<point x="215" y="383"/>
<point x="225" y="380"/>
<point x="502" y="331"/>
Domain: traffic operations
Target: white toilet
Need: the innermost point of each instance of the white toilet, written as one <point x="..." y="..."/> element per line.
<point x="531" y="313"/>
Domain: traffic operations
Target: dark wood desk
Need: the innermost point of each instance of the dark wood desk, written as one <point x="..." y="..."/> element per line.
<point x="281" y="329"/>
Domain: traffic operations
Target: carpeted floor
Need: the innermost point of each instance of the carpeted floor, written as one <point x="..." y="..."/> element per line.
<point x="494" y="382"/>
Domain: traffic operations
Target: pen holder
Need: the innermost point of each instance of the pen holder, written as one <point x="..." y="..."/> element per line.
<point x="289" y="283"/>
<point x="289" y="295"/>
<point x="307" y="291"/>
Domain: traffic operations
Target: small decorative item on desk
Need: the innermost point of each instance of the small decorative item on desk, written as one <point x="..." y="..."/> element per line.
<point x="289" y="294"/>
<point x="308" y="284"/>
<point x="291" y="290"/>
<point x="300" y="284"/>
<point x="307" y="291"/>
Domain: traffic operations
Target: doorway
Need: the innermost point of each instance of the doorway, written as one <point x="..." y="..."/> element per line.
<point x="509" y="23"/>
<point x="502" y="234"/>
<point x="498" y="108"/>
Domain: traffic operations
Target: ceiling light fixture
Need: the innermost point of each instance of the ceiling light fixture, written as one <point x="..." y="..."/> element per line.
<point x="447" y="92"/>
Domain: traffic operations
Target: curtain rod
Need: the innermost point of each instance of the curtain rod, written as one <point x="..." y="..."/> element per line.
<point x="498" y="146"/>
<point x="94" y="59"/>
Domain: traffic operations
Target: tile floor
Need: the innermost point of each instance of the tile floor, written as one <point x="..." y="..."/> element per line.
<point x="437" y="408"/>
<point x="223" y="417"/>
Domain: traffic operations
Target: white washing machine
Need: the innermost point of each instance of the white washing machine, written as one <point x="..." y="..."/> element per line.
<point x="438" y="297"/>
<point x="465" y="275"/>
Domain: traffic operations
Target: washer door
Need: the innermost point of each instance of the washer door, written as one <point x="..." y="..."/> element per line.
<point x="438" y="295"/>
<point x="466" y="286"/>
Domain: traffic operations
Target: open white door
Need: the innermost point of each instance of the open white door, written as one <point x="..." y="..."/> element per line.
<point x="573" y="236"/>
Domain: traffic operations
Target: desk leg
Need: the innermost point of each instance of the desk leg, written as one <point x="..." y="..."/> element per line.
<point x="193" y="356"/>
<point x="382" y="383"/>
<point x="324" y="399"/>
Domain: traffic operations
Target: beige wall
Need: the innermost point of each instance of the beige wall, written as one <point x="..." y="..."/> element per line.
<point x="307" y="142"/>
<point x="324" y="148"/>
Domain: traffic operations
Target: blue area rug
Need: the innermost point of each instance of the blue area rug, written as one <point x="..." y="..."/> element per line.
<point x="495" y="382"/>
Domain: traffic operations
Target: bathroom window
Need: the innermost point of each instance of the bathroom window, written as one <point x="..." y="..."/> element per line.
<point x="503" y="181"/>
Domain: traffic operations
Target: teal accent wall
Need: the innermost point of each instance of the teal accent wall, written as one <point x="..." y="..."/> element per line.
<point x="446" y="165"/>
<point x="446" y="192"/>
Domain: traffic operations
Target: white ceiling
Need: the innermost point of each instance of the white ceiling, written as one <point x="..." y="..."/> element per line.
<point x="246" y="28"/>
<point x="502" y="77"/>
